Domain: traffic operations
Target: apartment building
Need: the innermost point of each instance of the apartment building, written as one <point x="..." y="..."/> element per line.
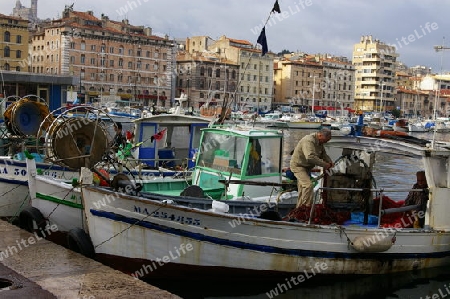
<point x="297" y="82"/>
<point x="374" y="63"/>
<point x="113" y="60"/>
<point x="13" y="43"/>
<point x="255" y="79"/>
<point x="206" y="78"/>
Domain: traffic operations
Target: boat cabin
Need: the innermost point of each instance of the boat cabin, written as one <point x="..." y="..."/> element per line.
<point x="168" y="140"/>
<point x="239" y="153"/>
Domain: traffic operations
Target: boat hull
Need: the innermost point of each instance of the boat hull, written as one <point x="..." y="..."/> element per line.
<point x="154" y="231"/>
<point x="14" y="183"/>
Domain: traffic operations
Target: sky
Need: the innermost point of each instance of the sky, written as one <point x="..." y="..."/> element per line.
<point x="310" y="26"/>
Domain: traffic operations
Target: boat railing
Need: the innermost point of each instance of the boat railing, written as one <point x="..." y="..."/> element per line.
<point x="379" y="194"/>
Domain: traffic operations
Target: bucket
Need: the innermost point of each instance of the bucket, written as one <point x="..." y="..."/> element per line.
<point x="221" y="207"/>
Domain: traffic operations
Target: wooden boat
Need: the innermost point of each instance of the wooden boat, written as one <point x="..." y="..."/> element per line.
<point x="132" y="231"/>
<point x="150" y="157"/>
<point x="228" y="177"/>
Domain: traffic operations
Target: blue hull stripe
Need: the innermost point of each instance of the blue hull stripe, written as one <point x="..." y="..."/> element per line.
<point x="12" y="181"/>
<point x="269" y="249"/>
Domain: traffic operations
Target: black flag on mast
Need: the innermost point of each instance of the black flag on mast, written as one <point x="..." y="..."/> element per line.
<point x="276" y="7"/>
<point x="262" y="40"/>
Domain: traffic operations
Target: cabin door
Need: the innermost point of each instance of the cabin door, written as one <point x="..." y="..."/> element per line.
<point x="148" y="147"/>
<point x="194" y="143"/>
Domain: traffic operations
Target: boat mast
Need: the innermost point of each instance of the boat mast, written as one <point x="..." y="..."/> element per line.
<point x="438" y="89"/>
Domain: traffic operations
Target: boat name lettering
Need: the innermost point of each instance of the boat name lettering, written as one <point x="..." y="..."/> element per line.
<point x="170" y="216"/>
<point x="5" y="171"/>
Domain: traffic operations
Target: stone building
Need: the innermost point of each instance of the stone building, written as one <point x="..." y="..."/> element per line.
<point x="14" y="37"/>
<point x="113" y="60"/>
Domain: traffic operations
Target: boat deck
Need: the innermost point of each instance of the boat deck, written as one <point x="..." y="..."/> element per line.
<point x="32" y="267"/>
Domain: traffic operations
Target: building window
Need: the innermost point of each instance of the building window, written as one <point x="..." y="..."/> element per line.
<point x="120" y="62"/>
<point x="147" y="54"/>
<point x="83" y="46"/>
<point x="156" y="66"/>
<point x="111" y="50"/>
<point x="202" y="71"/>
<point x="19" y="39"/>
<point x="18" y="68"/>
<point x="18" y="54"/>
<point x="120" y="50"/>
<point x="111" y="62"/>
<point x="210" y="72"/>
<point x="92" y="61"/>
<point x="82" y="59"/>
<point x="72" y="59"/>
<point x="130" y="64"/>
<point x="217" y="73"/>
<point x="6" y="67"/>
<point x="130" y="52"/>
<point x="7" y="37"/>
<point x="92" y="47"/>
<point x="6" y="52"/>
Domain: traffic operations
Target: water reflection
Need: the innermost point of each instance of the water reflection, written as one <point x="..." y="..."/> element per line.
<point x="417" y="284"/>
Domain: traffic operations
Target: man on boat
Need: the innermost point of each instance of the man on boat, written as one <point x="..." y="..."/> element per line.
<point x="119" y="140"/>
<point x="309" y="153"/>
<point x="419" y="198"/>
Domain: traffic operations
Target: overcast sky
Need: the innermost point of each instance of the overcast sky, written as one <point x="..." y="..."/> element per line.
<point x="311" y="26"/>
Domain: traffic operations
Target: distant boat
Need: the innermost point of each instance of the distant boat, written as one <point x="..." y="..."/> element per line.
<point x="304" y="122"/>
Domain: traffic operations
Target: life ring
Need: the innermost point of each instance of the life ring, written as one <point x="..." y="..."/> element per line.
<point x="32" y="220"/>
<point x="79" y="241"/>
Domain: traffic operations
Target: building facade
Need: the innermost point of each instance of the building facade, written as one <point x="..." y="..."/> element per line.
<point x="374" y="63"/>
<point x="113" y="60"/>
<point x="255" y="82"/>
<point x="14" y="43"/>
<point x="206" y="78"/>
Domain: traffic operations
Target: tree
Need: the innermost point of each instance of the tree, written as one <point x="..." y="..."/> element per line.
<point x="396" y="113"/>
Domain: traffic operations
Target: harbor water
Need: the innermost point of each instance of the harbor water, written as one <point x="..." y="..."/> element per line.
<point x="389" y="172"/>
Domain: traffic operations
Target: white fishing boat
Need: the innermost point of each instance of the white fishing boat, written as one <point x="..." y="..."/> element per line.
<point x="133" y="231"/>
<point x="299" y="121"/>
<point x="249" y="180"/>
<point x="416" y="125"/>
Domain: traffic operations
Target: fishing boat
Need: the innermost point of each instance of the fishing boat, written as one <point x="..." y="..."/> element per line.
<point x="164" y="147"/>
<point x="301" y="121"/>
<point x="161" y="145"/>
<point x="237" y="170"/>
<point x="348" y="230"/>
<point x="22" y="116"/>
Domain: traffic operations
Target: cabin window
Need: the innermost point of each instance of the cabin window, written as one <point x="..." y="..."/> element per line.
<point x="231" y="153"/>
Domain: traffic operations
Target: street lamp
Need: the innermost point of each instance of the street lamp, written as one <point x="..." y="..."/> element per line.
<point x="313" y="93"/>
<point x="381" y="98"/>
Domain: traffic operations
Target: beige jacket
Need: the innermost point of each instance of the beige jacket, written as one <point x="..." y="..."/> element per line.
<point x="309" y="153"/>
